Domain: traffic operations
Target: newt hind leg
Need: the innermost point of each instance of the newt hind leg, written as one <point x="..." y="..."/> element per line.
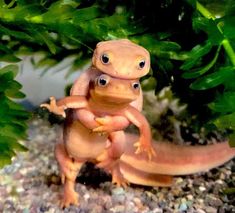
<point x="117" y="177"/>
<point x="111" y="165"/>
<point x="68" y="171"/>
<point x="109" y="160"/>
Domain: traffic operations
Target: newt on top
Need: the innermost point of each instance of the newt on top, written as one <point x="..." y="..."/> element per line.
<point x="121" y="59"/>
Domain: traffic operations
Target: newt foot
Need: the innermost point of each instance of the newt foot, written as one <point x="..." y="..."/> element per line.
<point x="70" y="198"/>
<point x="52" y="107"/>
<point x="117" y="177"/>
<point x="120" y="181"/>
<point x="144" y="148"/>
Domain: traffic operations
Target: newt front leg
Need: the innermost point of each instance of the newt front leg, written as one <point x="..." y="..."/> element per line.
<point x="144" y="143"/>
<point x="70" y="102"/>
<point x="111" y="123"/>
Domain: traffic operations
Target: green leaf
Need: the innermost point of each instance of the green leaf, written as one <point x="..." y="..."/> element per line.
<point x="73" y="3"/>
<point x="228" y="26"/>
<point x="57" y="12"/>
<point x="110" y="27"/>
<point x="43" y="36"/>
<point x="229" y="84"/>
<point x="232" y="140"/>
<point x="27" y="11"/>
<point x="13" y="130"/>
<point x="202" y="70"/>
<point x="16" y="34"/>
<point x="13" y="86"/>
<point x="214" y="79"/>
<point x="5" y="49"/>
<point x="224" y="103"/>
<point x="15" y="94"/>
<point x="46" y="62"/>
<point x="5" y="80"/>
<point x="195" y="55"/>
<point x="85" y="14"/>
<point x="9" y="58"/>
<point x="9" y="68"/>
<point x="210" y="27"/>
<point x="4" y="159"/>
<point x="226" y="121"/>
<point x="9" y="144"/>
<point x="161" y="49"/>
<point x="149" y="84"/>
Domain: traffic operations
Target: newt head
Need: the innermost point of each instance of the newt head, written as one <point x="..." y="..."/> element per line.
<point x="121" y="59"/>
<point x="106" y="89"/>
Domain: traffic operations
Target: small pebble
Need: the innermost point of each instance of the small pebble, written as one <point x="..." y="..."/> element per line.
<point x="202" y="188"/>
<point x="179" y="180"/>
<point x="118" y="191"/>
<point x="86" y="197"/>
<point x="190" y="197"/>
<point x="183" y="207"/>
<point x="219" y="181"/>
<point x="157" y="210"/>
<point x="200" y="211"/>
<point x="210" y="209"/>
<point x="26" y="211"/>
<point x="119" y="208"/>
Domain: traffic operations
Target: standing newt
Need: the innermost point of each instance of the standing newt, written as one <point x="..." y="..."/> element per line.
<point x="109" y="98"/>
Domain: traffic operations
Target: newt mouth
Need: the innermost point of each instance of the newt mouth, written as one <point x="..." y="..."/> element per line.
<point x="115" y="97"/>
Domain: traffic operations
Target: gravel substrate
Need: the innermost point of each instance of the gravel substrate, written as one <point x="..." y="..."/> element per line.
<point x="32" y="184"/>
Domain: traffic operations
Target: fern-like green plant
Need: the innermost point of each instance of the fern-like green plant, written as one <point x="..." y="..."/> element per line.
<point x="13" y="116"/>
<point x="217" y="75"/>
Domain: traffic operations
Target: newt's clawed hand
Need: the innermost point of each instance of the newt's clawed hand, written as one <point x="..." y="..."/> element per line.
<point x="54" y="108"/>
<point x="105" y="124"/>
<point x="142" y="146"/>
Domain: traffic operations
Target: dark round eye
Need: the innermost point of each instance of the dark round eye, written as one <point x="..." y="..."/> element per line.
<point x="102" y="80"/>
<point x="141" y="64"/>
<point x="105" y="59"/>
<point x="136" y="85"/>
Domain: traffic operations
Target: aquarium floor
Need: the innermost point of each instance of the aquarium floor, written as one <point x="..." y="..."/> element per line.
<point x="32" y="184"/>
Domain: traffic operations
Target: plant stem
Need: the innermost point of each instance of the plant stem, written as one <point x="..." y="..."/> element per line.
<point x="226" y="44"/>
<point x="206" y="13"/>
<point x="229" y="50"/>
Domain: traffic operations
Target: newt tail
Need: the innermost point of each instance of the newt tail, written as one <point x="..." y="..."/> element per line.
<point x="170" y="160"/>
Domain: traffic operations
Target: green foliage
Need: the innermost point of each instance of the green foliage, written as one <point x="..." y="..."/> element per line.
<point x="13" y="117"/>
<point x="216" y="74"/>
<point x="65" y="28"/>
